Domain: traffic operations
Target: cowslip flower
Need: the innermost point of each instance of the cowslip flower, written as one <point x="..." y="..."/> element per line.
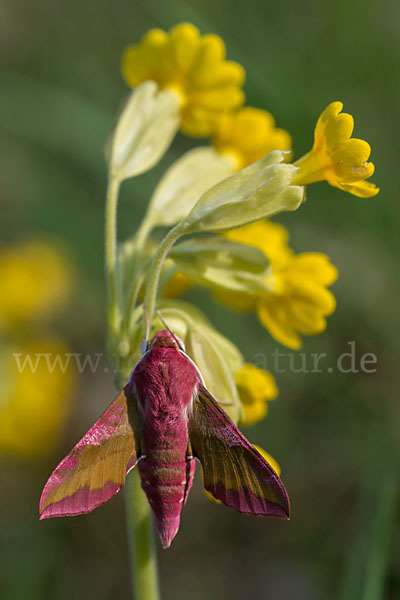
<point x="193" y="68"/>
<point x="256" y="387"/>
<point x="247" y="135"/>
<point x="298" y="301"/>
<point x="35" y="280"/>
<point x="337" y="157"/>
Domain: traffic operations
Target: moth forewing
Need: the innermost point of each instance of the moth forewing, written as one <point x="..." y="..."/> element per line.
<point x="96" y="467"/>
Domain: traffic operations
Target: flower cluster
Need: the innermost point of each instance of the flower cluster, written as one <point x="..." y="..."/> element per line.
<point x="193" y="68"/>
<point x="230" y="188"/>
<point x="190" y="386"/>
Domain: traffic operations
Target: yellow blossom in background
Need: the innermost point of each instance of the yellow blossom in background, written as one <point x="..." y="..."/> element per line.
<point x="247" y="135"/>
<point x="193" y="68"/>
<point x="255" y="387"/>
<point x="177" y="285"/>
<point x="271" y="238"/>
<point x="270" y="459"/>
<point x="34" y="397"/>
<point x="298" y="301"/>
<point x="35" y="280"/>
<point x="337" y="157"/>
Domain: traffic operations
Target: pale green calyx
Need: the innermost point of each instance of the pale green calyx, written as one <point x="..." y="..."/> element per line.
<point x="184" y="183"/>
<point x="145" y="129"/>
<point x="258" y="191"/>
<point x="217" y="262"/>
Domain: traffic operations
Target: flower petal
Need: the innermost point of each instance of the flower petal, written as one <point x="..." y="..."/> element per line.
<point x="273" y="315"/>
<point x="315" y="266"/>
<point x="184" y="42"/>
<point x="362" y="189"/>
<point x="333" y="128"/>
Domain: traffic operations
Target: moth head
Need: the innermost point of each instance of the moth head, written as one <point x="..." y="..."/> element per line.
<point x="167" y="339"/>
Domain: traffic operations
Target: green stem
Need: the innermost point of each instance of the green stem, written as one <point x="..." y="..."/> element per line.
<point x="111" y="247"/>
<point x="134" y="293"/>
<point x="141" y="541"/>
<point x="156" y="266"/>
<point x="140" y="239"/>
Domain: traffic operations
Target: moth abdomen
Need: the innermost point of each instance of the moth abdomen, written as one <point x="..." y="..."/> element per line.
<point x="166" y="485"/>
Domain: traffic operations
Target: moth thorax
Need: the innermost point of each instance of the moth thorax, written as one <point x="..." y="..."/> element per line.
<point x="166" y="339"/>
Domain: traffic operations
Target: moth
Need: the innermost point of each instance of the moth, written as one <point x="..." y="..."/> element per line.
<point x="162" y="421"/>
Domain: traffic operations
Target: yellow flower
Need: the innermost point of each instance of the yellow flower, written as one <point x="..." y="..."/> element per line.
<point x="255" y="387"/>
<point x="271" y="238"/>
<point x="298" y="301"/>
<point x="247" y="135"/>
<point x="33" y="398"/>
<point x="193" y="68"/>
<point x="177" y="285"/>
<point x="336" y="157"/>
<point x="34" y="281"/>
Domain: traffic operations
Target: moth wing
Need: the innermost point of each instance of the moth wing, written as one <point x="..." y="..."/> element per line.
<point x="96" y="468"/>
<point x="234" y="472"/>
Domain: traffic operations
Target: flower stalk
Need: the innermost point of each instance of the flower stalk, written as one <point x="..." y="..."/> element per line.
<point x="111" y="250"/>
<point x="140" y="532"/>
<point x="155" y="270"/>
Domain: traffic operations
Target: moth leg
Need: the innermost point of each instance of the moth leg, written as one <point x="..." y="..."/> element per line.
<point x="189" y="451"/>
<point x="190" y="469"/>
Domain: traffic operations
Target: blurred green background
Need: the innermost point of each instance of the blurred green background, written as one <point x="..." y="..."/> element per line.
<point x="335" y="435"/>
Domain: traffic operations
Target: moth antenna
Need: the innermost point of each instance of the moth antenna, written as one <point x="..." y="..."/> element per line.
<point x="147" y="334"/>
<point x="159" y="315"/>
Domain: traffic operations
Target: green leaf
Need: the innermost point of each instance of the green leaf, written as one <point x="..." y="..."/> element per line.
<point x="376" y="567"/>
